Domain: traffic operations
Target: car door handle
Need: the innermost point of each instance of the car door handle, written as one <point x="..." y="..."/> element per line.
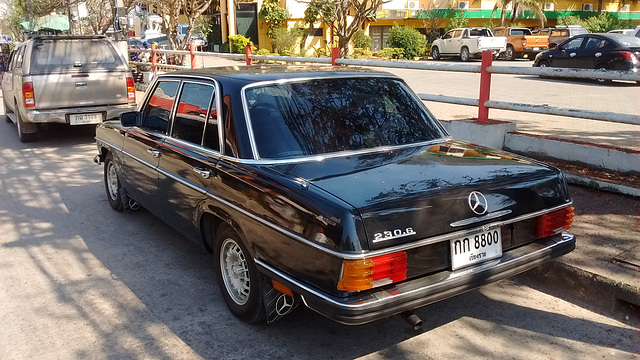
<point x="204" y="173"/>
<point x="155" y="153"/>
<point x="572" y="54"/>
<point x="598" y="54"/>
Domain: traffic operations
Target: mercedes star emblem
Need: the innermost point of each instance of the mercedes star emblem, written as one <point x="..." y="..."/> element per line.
<point x="478" y="203"/>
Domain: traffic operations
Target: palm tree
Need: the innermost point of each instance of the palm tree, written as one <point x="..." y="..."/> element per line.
<point x="519" y="7"/>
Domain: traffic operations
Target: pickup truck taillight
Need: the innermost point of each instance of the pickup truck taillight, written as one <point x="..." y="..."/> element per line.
<point x="27" y="94"/>
<point x="131" y="89"/>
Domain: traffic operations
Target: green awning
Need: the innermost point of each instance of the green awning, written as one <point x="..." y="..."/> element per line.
<point x="51" y="22"/>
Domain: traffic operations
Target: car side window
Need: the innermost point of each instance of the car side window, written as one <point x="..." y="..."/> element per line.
<point x="158" y="110"/>
<point x="192" y="112"/>
<point x="18" y="58"/>
<point x="594" y="43"/>
<point x="573" y="44"/>
<point x="448" y="35"/>
<point x="499" y="32"/>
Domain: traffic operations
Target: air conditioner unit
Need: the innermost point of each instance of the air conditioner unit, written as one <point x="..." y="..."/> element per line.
<point x="548" y="6"/>
<point x="587" y="7"/>
<point x="463" y="5"/>
<point x="625" y="8"/>
<point x="413" y="5"/>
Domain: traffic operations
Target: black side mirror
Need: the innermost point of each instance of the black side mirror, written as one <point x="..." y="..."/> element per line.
<point x="131" y="118"/>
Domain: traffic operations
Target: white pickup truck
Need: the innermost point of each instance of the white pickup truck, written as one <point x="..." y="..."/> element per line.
<point x="468" y="43"/>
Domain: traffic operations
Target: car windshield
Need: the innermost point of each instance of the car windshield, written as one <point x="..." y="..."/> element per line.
<point x="62" y="55"/>
<point x="323" y="116"/>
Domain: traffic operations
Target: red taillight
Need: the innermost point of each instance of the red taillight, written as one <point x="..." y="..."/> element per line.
<point x="629" y="56"/>
<point x="27" y="95"/>
<point x="131" y="89"/>
<point x="372" y="272"/>
<point x="555" y="222"/>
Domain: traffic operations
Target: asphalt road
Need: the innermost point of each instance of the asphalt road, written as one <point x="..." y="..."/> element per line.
<point x="81" y="281"/>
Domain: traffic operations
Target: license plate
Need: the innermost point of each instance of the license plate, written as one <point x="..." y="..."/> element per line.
<point x="475" y="248"/>
<point x="536" y="48"/>
<point x="83" y="119"/>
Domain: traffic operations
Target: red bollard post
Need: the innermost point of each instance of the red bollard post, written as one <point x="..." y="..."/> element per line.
<point x="192" y="49"/>
<point x="335" y="54"/>
<point x="249" y="52"/>
<point x="154" y="68"/>
<point x="485" y="86"/>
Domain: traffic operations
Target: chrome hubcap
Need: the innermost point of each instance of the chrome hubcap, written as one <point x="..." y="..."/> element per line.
<point x="112" y="181"/>
<point x="235" y="271"/>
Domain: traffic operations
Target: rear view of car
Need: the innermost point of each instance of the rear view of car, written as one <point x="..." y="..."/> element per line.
<point x="75" y="80"/>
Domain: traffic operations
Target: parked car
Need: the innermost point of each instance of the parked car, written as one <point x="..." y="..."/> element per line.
<point x="334" y="188"/>
<point x="630" y="32"/>
<point x="468" y="43"/>
<point x="561" y="33"/>
<point x="74" y="80"/>
<point x="521" y="43"/>
<point x="594" y="51"/>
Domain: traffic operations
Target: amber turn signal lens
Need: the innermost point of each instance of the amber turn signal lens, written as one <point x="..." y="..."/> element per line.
<point x="555" y="222"/>
<point x="368" y="273"/>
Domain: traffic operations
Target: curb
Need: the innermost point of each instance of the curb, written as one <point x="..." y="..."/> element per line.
<point x="601" y="292"/>
<point x="602" y="185"/>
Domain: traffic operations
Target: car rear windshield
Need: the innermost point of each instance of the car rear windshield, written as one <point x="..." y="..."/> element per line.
<point x="323" y="116"/>
<point x="70" y="55"/>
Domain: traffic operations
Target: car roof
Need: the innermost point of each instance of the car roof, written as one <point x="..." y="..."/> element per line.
<point x="257" y="73"/>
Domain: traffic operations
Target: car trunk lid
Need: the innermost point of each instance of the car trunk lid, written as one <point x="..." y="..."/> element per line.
<point x="412" y="194"/>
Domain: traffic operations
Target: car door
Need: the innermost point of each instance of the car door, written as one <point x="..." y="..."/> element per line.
<point x="447" y="43"/>
<point x="593" y="52"/>
<point x="142" y="147"/>
<point x="12" y="77"/>
<point x="189" y="155"/>
<point x="565" y="54"/>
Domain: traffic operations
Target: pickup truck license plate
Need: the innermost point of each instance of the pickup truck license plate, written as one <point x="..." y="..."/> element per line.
<point x="475" y="248"/>
<point x="536" y="48"/>
<point x="83" y="119"/>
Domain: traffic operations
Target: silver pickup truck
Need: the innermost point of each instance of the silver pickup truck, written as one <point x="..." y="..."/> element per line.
<point x="75" y="80"/>
<point x="468" y="43"/>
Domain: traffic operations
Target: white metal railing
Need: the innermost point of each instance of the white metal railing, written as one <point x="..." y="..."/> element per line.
<point x="486" y="69"/>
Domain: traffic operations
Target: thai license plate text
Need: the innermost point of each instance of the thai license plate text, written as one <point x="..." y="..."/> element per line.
<point x="83" y="119"/>
<point x="475" y="248"/>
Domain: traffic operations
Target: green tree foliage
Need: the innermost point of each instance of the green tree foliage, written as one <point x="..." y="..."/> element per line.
<point x="457" y="22"/>
<point x="345" y="17"/>
<point x="604" y="22"/>
<point x="361" y="40"/>
<point x="285" y="40"/>
<point x="518" y="8"/>
<point x="570" y="20"/>
<point x="274" y="14"/>
<point x="409" y="39"/>
<point x="238" y="44"/>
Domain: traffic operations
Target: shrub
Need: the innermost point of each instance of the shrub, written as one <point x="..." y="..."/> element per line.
<point x="263" y="52"/>
<point x="361" y="40"/>
<point x="320" y="52"/>
<point x="359" y="53"/>
<point x="605" y="22"/>
<point x="409" y="39"/>
<point x="238" y="44"/>
<point x="285" y="40"/>
<point x="390" y="53"/>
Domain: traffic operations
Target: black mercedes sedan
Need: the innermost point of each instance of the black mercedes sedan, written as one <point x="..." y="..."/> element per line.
<point x="594" y="51"/>
<point x="330" y="187"/>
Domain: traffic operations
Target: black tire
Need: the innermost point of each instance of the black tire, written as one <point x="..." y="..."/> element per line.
<point x="510" y="54"/>
<point x="112" y="183"/>
<point x="464" y="54"/>
<point x="435" y="53"/>
<point x="238" y="277"/>
<point x="22" y="136"/>
<point x="543" y="63"/>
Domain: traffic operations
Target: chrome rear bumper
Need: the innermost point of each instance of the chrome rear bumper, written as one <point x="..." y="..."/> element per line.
<point x="397" y="298"/>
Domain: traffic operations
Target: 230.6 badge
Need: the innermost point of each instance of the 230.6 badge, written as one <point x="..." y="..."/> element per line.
<point x="392" y="234"/>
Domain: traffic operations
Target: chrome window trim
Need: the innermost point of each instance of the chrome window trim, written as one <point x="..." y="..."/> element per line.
<point x="247" y="117"/>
